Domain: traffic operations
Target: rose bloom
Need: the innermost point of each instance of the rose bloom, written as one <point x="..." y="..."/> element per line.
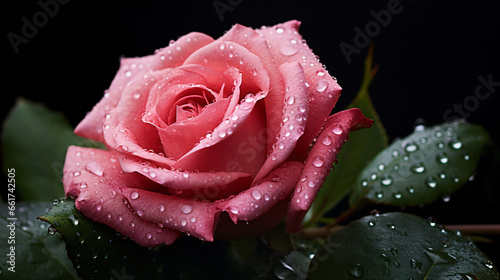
<point x="215" y="139"/>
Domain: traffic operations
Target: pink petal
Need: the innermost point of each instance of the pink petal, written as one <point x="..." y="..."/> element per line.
<point x="294" y="117"/>
<point x="260" y="198"/>
<point x="220" y="56"/>
<point x="192" y="217"/>
<point x="95" y="178"/>
<point x="320" y="162"/>
<point x="287" y="46"/>
<point x="242" y="138"/>
<point x="169" y="57"/>
<point x="180" y="137"/>
<point x="258" y="45"/>
<point x="206" y="186"/>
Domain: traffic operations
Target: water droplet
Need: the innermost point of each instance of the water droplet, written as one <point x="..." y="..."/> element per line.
<point x="397" y="195"/>
<point x="419" y="124"/>
<point x="74" y="220"/>
<point x="410" y="189"/>
<point x="455" y="144"/>
<point x="337" y="129"/>
<point x="386" y="180"/>
<point x="183" y="222"/>
<point x="418" y="167"/>
<point x="222" y="46"/>
<point x="371" y="223"/>
<point x="446" y="198"/>
<point x="193" y="219"/>
<point x="128" y="73"/>
<point x="186" y="209"/>
<point x="442" y="157"/>
<point x="321" y="86"/>
<point x="318" y="161"/>
<point x="488" y="265"/>
<point x="311" y="184"/>
<point x="364" y="183"/>
<point x="256" y="194"/>
<point x="279" y="30"/>
<point x="411" y="147"/>
<point x="381" y="167"/>
<point x="95" y="168"/>
<point x="431" y="221"/>
<point x="234" y="210"/>
<point x="327" y="140"/>
<point x="395" y="153"/>
<point x="289" y="50"/>
<point x="431" y="182"/>
<point x="373" y="177"/>
<point x="379" y="195"/>
<point x="52" y="230"/>
<point x="134" y="195"/>
<point x="356" y="271"/>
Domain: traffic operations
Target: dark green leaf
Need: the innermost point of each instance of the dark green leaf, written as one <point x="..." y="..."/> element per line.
<point x="34" y="142"/>
<point x="430" y="163"/>
<point x="99" y="252"/>
<point x="356" y="153"/>
<point x="37" y="254"/>
<point x="399" y="246"/>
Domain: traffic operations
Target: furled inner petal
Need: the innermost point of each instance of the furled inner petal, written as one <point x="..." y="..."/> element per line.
<point x="242" y="138"/>
<point x="320" y="162"/>
<point x="169" y="57"/>
<point x="95" y="178"/>
<point x="260" y="198"/>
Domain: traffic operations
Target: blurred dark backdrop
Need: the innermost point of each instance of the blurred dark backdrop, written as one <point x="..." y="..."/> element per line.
<point x="432" y="56"/>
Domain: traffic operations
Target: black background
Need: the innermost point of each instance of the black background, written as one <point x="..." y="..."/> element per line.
<point x="430" y="54"/>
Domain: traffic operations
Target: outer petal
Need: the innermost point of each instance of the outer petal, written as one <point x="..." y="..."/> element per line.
<point x="294" y="117"/>
<point x="320" y="161"/>
<point x="261" y="197"/>
<point x="206" y="186"/>
<point x="287" y="46"/>
<point x="169" y="57"/>
<point x="95" y="178"/>
<point x="192" y="217"/>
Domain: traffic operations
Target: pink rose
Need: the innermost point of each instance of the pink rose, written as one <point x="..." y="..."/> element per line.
<point x="211" y="138"/>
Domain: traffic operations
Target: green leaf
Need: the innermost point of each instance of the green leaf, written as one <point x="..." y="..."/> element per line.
<point x="356" y="153"/>
<point x="430" y="163"/>
<point x="399" y="246"/>
<point x="34" y="143"/>
<point x="99" y="252"/>
<point x="36" y="254"/>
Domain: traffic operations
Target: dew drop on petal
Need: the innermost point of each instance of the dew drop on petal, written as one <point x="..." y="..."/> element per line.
<point x="186" y="209"/>
<point x="95" y="168"/>
<point x="289" y="50"/>
<point x="318" y="161"/>
<point x="327" y="141"/>
<point x="134" y="195"/>
<point x="256" y="194"/>
<point x="321" y="86"/>
<point x="337" y="129"/>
